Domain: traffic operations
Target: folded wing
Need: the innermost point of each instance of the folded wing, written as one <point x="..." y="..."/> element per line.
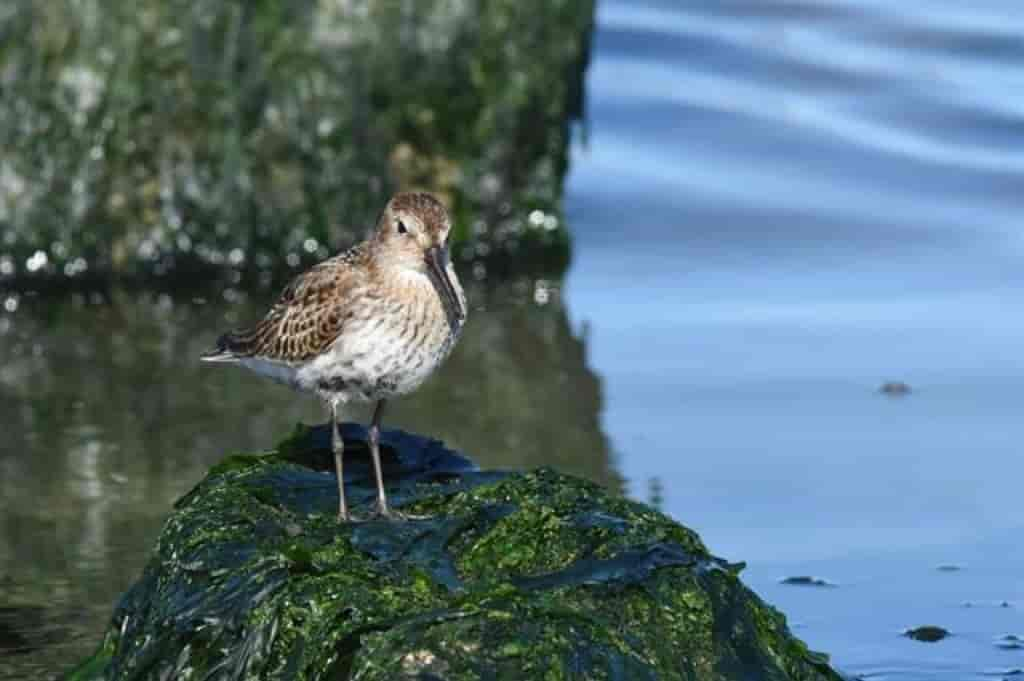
<point x="304" y="322"/>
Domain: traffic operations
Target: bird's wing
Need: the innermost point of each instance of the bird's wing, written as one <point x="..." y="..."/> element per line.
<point x="305" y="320"/>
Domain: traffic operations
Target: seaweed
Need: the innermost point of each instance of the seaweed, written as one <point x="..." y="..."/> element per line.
<point x="511" y="576"/>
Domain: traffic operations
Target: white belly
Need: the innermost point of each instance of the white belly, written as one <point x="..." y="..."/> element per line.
<point x="372" y="366"/>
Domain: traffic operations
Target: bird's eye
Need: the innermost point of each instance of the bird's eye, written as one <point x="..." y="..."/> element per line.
<point x="402" y="229"/>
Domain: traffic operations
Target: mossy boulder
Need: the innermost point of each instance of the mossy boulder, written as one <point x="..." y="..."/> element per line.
<point x="511" y="576"/>
<point x="158" y="136"/>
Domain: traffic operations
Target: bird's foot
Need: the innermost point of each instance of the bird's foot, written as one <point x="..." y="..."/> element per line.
<point x="348" y="517"/>
<point x="385" y="512"/>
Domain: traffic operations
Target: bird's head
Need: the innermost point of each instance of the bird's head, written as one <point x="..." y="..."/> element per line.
<point x="412" y="235"/>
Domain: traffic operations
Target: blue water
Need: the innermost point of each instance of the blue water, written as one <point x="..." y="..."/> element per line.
<point x="778" y="207"/>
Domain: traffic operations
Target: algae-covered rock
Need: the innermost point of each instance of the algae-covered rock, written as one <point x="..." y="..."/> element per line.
<point x="157" y="135"/>
<point x="512" y="576"/>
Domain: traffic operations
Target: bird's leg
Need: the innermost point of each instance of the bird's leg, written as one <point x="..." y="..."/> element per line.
<point x="338" y="447"/>
<point x="383" y="510"/>
<point x="374" y="435"/>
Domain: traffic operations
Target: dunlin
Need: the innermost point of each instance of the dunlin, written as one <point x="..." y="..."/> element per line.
<point x="367" y="325"/>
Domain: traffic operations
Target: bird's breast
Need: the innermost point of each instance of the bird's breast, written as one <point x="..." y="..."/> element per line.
<point x="387" y="350"/>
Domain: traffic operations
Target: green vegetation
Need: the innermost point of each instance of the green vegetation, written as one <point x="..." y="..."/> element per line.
<point x="513" y="576"/>
<point x="158" y="136"/>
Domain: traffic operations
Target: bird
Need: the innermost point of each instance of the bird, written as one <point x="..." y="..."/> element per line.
<point x="367" y="325"/>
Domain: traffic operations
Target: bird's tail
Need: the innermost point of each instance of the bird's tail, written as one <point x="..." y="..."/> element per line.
<point x="222" y="353"/>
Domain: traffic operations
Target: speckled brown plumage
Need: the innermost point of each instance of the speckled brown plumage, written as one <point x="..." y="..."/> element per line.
<point x="309" y="315"/>
<point x="369" y="324"/>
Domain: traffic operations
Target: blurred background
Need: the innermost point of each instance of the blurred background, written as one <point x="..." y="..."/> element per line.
<point x="698" y="237"/>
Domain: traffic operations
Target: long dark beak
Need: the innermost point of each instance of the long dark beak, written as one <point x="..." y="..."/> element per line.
<point x="437" y="267"/>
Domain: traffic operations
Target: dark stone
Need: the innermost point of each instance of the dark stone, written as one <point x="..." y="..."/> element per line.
<point x="1010" y="642"/>
<point x="805" y="580"/>
<point x="895" y="389"/>
<point x="927" y="634"/>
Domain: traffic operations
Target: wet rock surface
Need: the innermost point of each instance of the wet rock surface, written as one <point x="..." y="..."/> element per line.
<point x="927" y="634"/>
<point x="807" y="580"/>
<point x="534" y="575"/>
<point x="1010" y="642"/>
<point x="895" y="389"/>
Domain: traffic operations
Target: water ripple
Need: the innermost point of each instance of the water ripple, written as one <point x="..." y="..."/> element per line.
<point x="931" y="89"/>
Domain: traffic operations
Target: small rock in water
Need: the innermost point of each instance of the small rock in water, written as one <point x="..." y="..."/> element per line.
<point x="1010" y="642"/>
<point x="927" y="633"/>
<point x="806" y="580"/>
<point x="895" y="389"/>
<point x="987" y="604"/>
<point x="949" y="568"/>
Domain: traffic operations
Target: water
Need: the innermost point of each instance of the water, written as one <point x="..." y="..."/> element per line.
<point x="778" y="205"/>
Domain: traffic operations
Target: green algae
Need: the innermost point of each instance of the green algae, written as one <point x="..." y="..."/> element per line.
<point x="534" y="575"/>
<point x="166" y="136"/>
<point x="96" y="667"/>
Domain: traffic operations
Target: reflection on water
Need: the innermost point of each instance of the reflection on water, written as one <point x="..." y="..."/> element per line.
<point x="108" y="417"/>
